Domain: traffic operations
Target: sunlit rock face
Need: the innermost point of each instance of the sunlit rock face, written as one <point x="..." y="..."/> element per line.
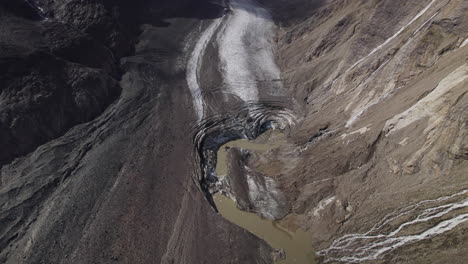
<point x="382" y="86"/>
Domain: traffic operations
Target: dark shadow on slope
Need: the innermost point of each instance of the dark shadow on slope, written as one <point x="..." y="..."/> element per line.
<point x="289" y="11"/>
<point x="63" y="71"/>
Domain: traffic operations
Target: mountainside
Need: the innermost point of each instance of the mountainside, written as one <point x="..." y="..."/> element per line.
<point x="381" y="87"/>
<point x="117" y="188"/>
<point x="112" y="113"/>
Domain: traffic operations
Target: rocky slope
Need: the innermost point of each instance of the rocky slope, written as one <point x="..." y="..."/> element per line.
<point x="380" y="147"/>
<point x="94" y="142"/>
<point x="60" y="62"/>
<point x="111" y="113"/>
<point x="50" y="79"/>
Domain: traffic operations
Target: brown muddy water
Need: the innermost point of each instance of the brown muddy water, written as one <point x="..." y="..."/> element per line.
<point x="297" y="244"/>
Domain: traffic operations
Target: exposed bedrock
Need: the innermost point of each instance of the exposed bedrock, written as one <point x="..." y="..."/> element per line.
<point x="382" y="85"/>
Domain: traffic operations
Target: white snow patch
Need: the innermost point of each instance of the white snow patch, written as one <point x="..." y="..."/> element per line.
<point x="354" y="248"/>
<point x="404" y="142"/>
<point x="394" y="36"/>
<point x="322" y="205"/>
<point x="246" y="51"/>
<point x="360" y="131"/>
<point x="368" y="103"/>
<point x="193" y="67"/>
<point x="423" y="25"/>
<point x="464" y="43"/>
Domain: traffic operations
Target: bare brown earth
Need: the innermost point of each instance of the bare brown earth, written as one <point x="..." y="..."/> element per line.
<point x="378" y="136"/>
